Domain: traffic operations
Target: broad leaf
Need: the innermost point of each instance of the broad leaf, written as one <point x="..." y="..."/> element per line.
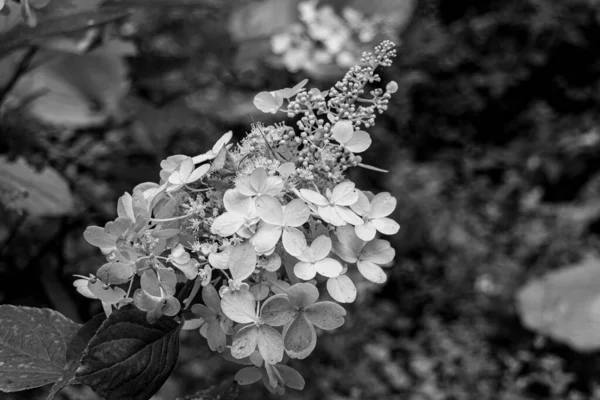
<point x="76" y="90"/>
<point x="75" y="351"/>
<point x="262" y="19"/>
<point x="46" y="193"/>
<point x="565" y="305"/>
<point x="33" y="346"/>
<point x="129" y="358"/>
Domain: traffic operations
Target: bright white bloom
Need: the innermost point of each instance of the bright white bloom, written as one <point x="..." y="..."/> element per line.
<point x="333" y="206"/>
<point x="314" y="260"/>
<point x="355" y="141"/>
<point x="240" y="214"/>
<point x="258" y="183"/>
<point x="374" y="213"/>
<point x="214" y="152"/>
<point x="368" y="256"/>
<point x="185" y="174"/>
<point x="280" y="221"/>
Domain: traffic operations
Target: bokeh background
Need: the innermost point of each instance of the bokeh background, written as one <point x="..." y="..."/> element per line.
<point x="492" y="142"/>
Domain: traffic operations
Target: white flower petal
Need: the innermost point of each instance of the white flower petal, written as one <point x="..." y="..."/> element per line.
<point x="371" y="271"/>
<point x="314" y="197"/>
<point x="320" y="247"/>
<point x="344" y="194"/>
<point x="267" y="102"/>
<point x="387" y="226"/>
<point x="305" y="270"/>
<point x="266" y="237"/>
<point x="238" y="203"/>
<point x="244" y="185"/>
<point x="227" y="224"/>
<point x="366" y="231"/>
<point x="348" y="216"/>
<point x="362" y="206"/>
<point x="342" y="131"/>
<point x="359" y="142"/>
<point x="329" y="267"/>
<point x="342" y="289"/>
<point x="293" y="241"/>
<point x="382" y="205"/>
<point x="198" y="173"/>
<point x="378" y="251"/>
<point x="329" y="214"/>
<point x="269" y="209"/>
<point x="258" y="180"/>
<point x="296" y="213"/>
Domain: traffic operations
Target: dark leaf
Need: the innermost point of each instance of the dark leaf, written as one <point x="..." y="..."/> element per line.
<point x="23" y="35"/>
<point x="46" y="193"/>
<point x="228" y="390"/>
<point x="33" y="346"/>
<point x="75" y="351"/>
<point x="129" y="358"/>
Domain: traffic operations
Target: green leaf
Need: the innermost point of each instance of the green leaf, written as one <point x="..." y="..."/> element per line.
<point x="23" y="35"/>
<point x="262" y="19"/>
<point x="129" y="358"/>
<point x="74" y="352"/>
<point x="48" y="193"/>
<point x="565" y="305"/>
<point x="33" y="346"/>
<point x="76" y="91"/>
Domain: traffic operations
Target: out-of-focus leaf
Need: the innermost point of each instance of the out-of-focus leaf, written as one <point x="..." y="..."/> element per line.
<point x="33" y="346"/>
<point x="129" y="358"/>
<point x="262" y="19"/>
<point x="565" y="305"/>
<point x="48" y="194"/>
<point x="400" y="12"/>
<point x="76" y="90"/>
<point x="23" y="35"/>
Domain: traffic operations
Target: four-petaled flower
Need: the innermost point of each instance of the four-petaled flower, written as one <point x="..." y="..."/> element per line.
<point x="216" y="325"/>
<point x="355" y="141"/>
<point x="314" y="260"/>
<point x="368" y="256"/>
<point x="185" y="174"/>
<point x="240" y="216"/>
<point x="214" y="152"/>
<point x="333" y="206"/>
<point x="259" y="183"/>
<point x="374" y="211"/>
<point x="280" y="222"/>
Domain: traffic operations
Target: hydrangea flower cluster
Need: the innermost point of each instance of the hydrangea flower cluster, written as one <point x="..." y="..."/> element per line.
<point x="256" y="228"/>
<point x="325" y="37"/>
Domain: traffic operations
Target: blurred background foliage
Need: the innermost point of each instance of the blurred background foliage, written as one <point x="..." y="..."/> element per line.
<point x="492" y="143"/>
